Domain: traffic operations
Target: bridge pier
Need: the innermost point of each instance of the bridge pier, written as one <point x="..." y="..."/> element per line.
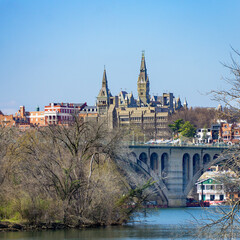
<point x="175" y="181"/>
<point x="176" y="201"/>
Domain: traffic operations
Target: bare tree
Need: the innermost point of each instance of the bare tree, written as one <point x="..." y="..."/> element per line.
<point x="67" y="173"/>
<point x="230" y="97"/>
<point x="199" y="116"/>
<point x="7" y="139"/>
<point x="224" y="222"/>
<point x="61" y="160"/>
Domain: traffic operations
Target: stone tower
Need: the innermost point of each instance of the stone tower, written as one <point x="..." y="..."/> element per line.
<point x="103" y="98"/>
<point x="185" y="104"/>
<point x="143" y="84"/>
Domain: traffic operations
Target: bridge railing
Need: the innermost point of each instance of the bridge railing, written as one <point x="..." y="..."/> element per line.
<point x="223" y="146"/>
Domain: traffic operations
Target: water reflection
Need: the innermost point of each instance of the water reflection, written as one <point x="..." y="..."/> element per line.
<point x="123" y="232"/>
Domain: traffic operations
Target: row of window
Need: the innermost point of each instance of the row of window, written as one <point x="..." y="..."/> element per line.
<point x="139" y="119"/>
<point x="60" y="117"/>
<point x="62" y="110"/>
<point x="90" y="110"/>
<point x="210" y="187"/>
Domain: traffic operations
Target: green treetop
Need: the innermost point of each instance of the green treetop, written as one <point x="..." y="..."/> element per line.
<point x="188" y="130"/>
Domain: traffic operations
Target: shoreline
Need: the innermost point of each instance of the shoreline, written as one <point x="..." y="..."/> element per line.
<point x="6" y="226"/>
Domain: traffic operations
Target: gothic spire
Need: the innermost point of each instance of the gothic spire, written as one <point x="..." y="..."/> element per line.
<point x="104" y="91"/>
<point x="143" y="64"/>
<point x="143" y="82"/>
<point x="104" y="80"/>
<point x="185" y="104"/>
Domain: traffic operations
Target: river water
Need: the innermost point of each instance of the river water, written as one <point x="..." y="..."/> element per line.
<point x="175" y="223"/>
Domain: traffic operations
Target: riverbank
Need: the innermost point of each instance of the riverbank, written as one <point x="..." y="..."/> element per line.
<point x="6" y="226"/>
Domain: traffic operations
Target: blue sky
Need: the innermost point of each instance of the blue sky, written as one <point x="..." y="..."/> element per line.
<point x="55" y="51"/>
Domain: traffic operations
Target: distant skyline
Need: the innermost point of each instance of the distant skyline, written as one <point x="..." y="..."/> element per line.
<point x="55" y="51"/>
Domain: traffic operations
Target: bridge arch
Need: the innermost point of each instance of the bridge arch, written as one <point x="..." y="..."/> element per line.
<point x="208" y="162"/>
<point x="206" y="159"/>
<point x="132" y="156"/>
<point x="196" y="163"/>
<point x="185" y="169"/>
<point x="154" y="161"/>
<point x="164" y="165"/>
<point x="143" y="157"/>
<point x="179" y="167"/>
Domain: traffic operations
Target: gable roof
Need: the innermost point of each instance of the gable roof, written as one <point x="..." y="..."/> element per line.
<point x="209" y="180"/>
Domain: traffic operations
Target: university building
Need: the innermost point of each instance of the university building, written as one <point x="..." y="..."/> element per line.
<point x="149" y="114"/>
<point x="145" y="112"/>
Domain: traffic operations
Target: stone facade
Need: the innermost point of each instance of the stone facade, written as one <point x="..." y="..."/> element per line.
<point x="103" y="98"/>
<point x="148" y="113"/>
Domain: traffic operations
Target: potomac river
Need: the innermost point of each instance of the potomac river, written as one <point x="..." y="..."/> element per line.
<point x="170" y="223"/>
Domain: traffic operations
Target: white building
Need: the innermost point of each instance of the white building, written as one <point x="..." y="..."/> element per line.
<point x="203" y="135"/>
<point x="210" y="190"/>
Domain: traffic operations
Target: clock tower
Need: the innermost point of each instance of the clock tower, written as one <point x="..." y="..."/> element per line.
<point x="143" y="84"/>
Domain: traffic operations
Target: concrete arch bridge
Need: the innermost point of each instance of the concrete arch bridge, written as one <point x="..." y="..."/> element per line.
<point x="175" y="168"/>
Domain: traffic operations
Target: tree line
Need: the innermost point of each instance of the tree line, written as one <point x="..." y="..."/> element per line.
<point x="76" y="175"/>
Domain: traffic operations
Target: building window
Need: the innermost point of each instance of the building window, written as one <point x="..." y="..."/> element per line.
<point x="218" y="187"/>
<point x="212" y="197"/>
<point x="209" y="187"/>
<point x="221" y="197"/>
<point x="201" y="187"/>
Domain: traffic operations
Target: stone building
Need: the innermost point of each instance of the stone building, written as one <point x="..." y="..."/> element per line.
<point x="103" y="98"/>
<point x="147" y="113"/>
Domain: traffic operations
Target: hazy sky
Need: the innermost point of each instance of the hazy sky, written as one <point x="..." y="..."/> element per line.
<point x="55" y="51"/>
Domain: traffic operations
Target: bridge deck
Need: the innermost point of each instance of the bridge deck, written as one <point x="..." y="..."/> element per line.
<point x="189" y="146"/>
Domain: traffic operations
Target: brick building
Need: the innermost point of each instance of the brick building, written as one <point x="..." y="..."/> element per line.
<point x="230" y="132"/>
<point x="19" y="119"/>
<point x="62" y="113"/>
<point x="54" y="113"/>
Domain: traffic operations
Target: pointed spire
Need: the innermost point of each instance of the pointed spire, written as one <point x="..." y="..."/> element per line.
<point x="104" y="80"/>
<point x="143" y="82"/>
<point x="143" y="64"/>
<point x="185" y="104"/>
<point x="219" y="108"/>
